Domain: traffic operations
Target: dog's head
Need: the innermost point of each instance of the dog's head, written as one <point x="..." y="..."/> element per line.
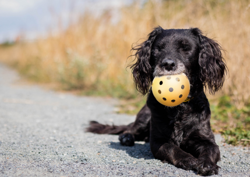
<point x="175" y="51"/>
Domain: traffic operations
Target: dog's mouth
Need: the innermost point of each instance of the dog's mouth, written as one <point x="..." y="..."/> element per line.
<point x="163" y="72"/>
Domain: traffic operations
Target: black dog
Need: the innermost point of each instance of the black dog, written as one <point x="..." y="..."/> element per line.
<point x="180" y="135"/>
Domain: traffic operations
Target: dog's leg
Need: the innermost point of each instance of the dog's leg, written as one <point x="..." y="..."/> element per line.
<point x="205" y="149"/>
<point x="168" y="152"/>
<point x="139" y="131"/>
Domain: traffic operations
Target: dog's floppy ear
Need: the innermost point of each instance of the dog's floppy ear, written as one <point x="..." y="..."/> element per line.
<point x="141" y="69"/>
<point x="212" y="65"/>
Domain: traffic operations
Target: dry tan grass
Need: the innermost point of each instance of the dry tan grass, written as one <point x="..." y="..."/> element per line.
<point x="91" y="55"/>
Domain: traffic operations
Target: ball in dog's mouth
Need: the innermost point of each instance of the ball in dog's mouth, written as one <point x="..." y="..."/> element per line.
<point x="171" y="90"/>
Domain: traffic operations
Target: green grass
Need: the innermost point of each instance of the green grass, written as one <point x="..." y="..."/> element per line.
<point x="237" y="136"/>
<point x="232" y="122"/>
<point x="131" y="106"/>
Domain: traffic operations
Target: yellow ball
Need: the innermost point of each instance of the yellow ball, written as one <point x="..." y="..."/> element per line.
<point x="171" y="90"/>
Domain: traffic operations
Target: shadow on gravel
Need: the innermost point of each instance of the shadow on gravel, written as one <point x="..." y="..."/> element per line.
<point x="137" y="151"/>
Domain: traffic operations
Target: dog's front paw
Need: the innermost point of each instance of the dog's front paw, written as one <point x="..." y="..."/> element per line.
<point x="205" y="167"/>
<point x="187" y="163"/>
<point x="127" y="139"/>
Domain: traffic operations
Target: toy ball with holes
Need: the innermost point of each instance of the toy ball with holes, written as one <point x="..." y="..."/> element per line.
<point x="171" y="90"/>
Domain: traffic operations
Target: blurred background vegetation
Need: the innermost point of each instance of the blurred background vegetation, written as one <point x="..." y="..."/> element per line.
<point x="91" y="55"/>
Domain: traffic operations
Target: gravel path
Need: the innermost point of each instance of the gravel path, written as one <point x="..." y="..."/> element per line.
<point x="41" y="134"/>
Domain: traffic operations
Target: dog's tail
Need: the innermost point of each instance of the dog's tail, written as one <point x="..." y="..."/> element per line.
<point x="96" y="127"/>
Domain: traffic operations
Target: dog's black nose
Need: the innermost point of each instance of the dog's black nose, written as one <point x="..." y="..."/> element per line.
<point x="168" y="64"/>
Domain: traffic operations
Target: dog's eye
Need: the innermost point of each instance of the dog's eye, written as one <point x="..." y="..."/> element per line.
<point x="184" y="46"/>
<point x="160" y="47"/>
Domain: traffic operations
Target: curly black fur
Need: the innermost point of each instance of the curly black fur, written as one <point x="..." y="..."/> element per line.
<point x="142" y="69"/>
<point x="213" y="69"/>
<point x="180" y="135"/>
